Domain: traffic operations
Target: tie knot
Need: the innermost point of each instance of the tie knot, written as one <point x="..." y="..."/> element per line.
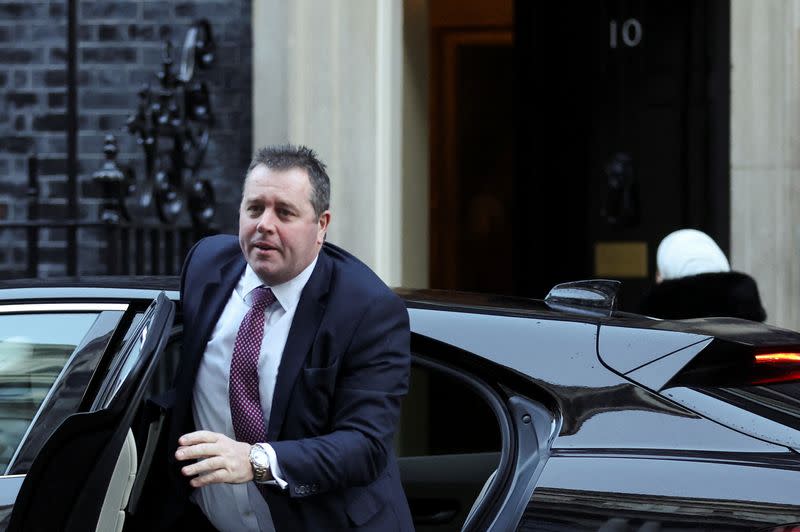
<point x="263" y="297"/>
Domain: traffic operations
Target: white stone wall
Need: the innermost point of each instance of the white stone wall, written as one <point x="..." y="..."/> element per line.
<point x="329" y="75"/>
<point x="765" y="152"/>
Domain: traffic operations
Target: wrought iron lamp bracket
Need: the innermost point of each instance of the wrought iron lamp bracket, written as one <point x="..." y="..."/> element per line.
<point x="171" y="125"/>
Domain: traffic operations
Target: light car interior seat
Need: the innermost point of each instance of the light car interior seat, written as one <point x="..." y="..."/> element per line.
<point x="112" y="514"/>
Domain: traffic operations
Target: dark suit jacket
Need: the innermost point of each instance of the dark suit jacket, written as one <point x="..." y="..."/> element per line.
<point x="337" y="398"/>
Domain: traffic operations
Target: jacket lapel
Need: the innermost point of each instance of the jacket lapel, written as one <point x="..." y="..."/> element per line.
<point x="307" y="317"/>
<point x="203" y="311"/>
<point x="214" y="298"/>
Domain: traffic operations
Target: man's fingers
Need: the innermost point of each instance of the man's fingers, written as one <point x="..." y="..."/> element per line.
<point x="216" y="476"/>
<point x="200" y="436"/>
<point x="200" y="450"/>
<point x="204" y="466"/>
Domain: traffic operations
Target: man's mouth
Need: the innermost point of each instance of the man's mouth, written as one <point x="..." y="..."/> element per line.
<point x="263" y="246"/>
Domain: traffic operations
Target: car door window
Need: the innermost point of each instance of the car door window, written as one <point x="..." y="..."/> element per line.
<point x="448" y="445"/>
<point x="34" y="347"/>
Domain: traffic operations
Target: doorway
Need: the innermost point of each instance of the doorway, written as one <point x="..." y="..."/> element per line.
<point x="567" y="139"/>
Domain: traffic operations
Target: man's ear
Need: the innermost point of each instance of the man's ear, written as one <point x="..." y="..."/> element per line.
<point x="322" y="226"/>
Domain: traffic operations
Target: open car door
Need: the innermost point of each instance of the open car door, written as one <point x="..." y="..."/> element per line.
<point x="66" y="485"/>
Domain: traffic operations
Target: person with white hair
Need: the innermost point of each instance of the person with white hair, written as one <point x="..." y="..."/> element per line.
<point x="694" y="280"/>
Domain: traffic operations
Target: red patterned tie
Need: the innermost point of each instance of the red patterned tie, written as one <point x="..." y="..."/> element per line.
<point x="248" y="419"/>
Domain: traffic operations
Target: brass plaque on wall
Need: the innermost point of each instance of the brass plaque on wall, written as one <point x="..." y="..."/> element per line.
<point x="620" y="259"/>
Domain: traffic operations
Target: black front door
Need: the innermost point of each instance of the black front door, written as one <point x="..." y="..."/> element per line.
<point x="622" y="136"/>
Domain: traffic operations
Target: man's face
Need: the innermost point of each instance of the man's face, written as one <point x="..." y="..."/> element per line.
<point x="278" y="230"/>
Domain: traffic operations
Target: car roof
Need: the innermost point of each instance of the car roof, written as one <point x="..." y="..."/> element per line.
<point x="146" y="286"/>
<point x="139" y="287"/>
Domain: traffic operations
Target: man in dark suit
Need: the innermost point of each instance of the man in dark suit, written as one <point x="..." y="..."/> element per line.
<point x="296" y="358"/>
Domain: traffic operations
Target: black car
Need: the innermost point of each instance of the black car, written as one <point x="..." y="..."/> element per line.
<point x="561" y="414"/>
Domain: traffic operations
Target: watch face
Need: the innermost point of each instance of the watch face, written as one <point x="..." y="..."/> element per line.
<point x="258" y="457"/>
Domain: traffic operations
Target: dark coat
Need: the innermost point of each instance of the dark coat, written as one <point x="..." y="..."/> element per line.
<point x="343" y="374"/>
<point x="729" y="294"/>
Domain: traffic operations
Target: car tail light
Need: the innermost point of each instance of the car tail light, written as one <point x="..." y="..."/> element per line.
<point x="730" y="364"/>
<point x="776" y="367"/>
<point x="777" y="358"/>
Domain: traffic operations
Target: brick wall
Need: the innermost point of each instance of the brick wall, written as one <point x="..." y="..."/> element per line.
<point x="119" y="48"/>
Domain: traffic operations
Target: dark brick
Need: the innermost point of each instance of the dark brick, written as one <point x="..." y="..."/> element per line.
<point x="141" y="32"/>
<point x="57" y="78"/>
<point x="50" y="122"/>
<point x="4" y="166"/>
<point x="56" y="99"/>
<point x="90" y="143"/>
<point x="209" y="10"/>
<point x="20" y="78"/>
<point x="108" y="55"/>
<point x="18" y="56"/>
<point x="91" y="189"/>
<point x="156" y="10"/>
<point x="13" y="144"/>
<point x="22" y="32"/>
<point x="54" y="234"/>
<point x="54" y="254"/>
<point x="3" y="216"/>
<point x="17" y="190"/>
<point x="22" y="99"/>
<point x="152" y="55"/>
<point x="106" y="10"/>
<point x="19" y="123"/>
<point x="56" y="144"/>
<point x="58" y="55"/>
<point x="49" y="32"/>
<point x="56" y="189"/>
<point x="108" y="32"/>
<point x="110" y="77"/>
<point x="3" y="79"/>
<point x="86" y="32"/>
<point x="109" y="122"/>
<point x="52" y="166"/>
<point x="94" y="99"/>
<point x="139" y="77"/>
<point x="58" y="10"/>
<point x="5" y="34"/>
<point x="164" y="33"/>
<point x="17" y="10"/>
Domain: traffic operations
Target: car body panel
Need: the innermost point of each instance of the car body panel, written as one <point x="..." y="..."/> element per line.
<point x="656" y="374"/>
<point x="587" y="491"/>
<point x="605" y="443"/>
<point x="624" y="349"/>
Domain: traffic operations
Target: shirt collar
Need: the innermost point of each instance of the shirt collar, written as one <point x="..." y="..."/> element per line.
<point x="287" y="294"/>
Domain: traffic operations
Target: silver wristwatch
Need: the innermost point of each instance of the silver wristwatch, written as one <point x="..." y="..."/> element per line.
<point x="259" y="460"/>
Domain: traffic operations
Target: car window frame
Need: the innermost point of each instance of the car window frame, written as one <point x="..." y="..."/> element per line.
<point x="108" y="317"/>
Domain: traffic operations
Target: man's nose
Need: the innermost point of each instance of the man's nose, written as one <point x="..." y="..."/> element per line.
<point x="266" y="222"/>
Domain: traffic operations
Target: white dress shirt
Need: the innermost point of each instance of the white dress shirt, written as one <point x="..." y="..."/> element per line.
<point x="241" y="506"/>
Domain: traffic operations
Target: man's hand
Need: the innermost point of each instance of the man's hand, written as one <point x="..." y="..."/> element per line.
<point x="221" y="459"/>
